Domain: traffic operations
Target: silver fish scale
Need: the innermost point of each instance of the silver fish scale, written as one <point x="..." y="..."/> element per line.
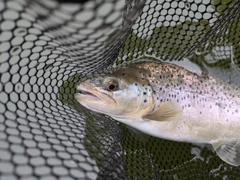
<point x="168" y="81"/>
<point x="206" y="101"/>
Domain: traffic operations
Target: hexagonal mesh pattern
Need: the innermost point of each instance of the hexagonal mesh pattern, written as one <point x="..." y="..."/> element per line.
<point x="46" y="47"/>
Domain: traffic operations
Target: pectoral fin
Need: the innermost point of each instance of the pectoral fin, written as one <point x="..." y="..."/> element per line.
<point x="228" y="152"/>
<point x="168" y="111"/>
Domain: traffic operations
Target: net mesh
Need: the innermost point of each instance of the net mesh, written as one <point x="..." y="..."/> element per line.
<point x="46" y="47"/>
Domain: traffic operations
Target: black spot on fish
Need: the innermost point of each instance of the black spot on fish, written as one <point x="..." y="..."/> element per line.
<point x="123" y="74"/>
<point x="160" y="88"/>
<point x="144" y="93"/>
<point x="135" y="84"/>
<point x="145" y="100"/>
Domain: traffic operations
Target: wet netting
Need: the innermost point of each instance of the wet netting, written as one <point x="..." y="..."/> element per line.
<point x="46" y="47"/>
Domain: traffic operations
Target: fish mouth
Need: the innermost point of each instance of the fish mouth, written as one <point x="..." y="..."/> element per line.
<point x="88" y="92"/>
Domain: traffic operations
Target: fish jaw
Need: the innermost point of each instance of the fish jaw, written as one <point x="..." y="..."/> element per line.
<point x="91" y="97"/>
<point x="87" y="92"/>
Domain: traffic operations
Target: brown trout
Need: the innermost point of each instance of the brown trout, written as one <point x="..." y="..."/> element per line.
<point x="170" y="102"/>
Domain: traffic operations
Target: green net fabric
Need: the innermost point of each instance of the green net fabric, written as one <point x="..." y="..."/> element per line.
<point x="46" y="47"/>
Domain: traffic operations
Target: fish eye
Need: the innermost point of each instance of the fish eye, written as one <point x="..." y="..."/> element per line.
<point x="112" y="86"/>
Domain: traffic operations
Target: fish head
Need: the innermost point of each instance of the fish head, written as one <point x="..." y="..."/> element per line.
<point x="123" y="94"/>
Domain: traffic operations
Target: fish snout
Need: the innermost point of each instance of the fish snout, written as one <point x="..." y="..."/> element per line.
<point x="82" y="86"/>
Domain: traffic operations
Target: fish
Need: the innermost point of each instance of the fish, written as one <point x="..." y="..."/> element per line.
<point x="169" y="102"/>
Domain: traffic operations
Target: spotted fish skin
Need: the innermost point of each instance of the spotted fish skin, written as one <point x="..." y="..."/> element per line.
<point x="170" y="102"/>
<point x="206" y="102"/>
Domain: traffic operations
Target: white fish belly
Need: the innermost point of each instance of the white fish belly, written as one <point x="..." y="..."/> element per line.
<point x="200" y="123"/>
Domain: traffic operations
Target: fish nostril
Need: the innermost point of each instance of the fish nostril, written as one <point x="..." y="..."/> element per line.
<point x="92" y="81"/>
